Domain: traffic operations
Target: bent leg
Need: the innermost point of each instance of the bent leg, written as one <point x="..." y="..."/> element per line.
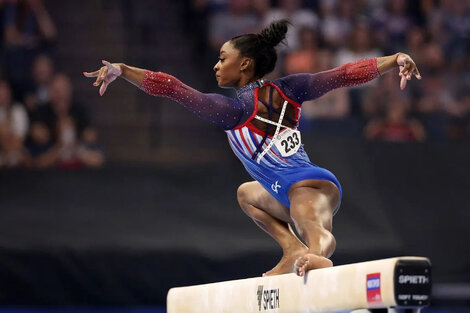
<point x="312" y="204"/>
<point x="273" y="217"/>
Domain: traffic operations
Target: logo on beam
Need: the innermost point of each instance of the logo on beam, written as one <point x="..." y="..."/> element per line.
<point x="374" y="297"/>
<point x="267" y="299"/>
<point x="260" y="296"/>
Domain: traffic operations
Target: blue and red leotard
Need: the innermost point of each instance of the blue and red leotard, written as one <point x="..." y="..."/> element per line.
<point x="263" y="160"/>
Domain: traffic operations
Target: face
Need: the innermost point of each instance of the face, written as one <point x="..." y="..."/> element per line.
<point x="43" y="69"/>
<point x="61" y="93"/>
<point x="229" y="68"/>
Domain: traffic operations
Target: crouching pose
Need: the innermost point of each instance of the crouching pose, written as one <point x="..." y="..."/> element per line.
<point x="261" y="126"/>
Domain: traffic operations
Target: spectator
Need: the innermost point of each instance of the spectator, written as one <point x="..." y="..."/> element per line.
<point x="435" y="32"/>
<point x="28" y="29"/>
<point x="261" y="8"/>
<point x="415" y="41"/>
<point x="39" y="91"/>
<point x="458" y="126"/>
<point x="395" y="25"/>
<point x="334" y="104"/>
<point x="375" y="99"/>
<point x="433" y="58"/>
<point x="299" y="17"/>
<point x="397" y="125"/>
<point x="89" y="152"/>
<point x="360" y="47"/>
<point x="434" y="103"/>
<point x="456" y="22"/>
<point x="303" y="60"/>
<point x="13" y="128"/>
<point x="238" y="19"/>
<point x="70" y="128"/>
<point x="334" y="28"/>
<point x="40" y="146"/>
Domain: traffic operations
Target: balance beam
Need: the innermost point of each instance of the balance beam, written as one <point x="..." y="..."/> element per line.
<point x="403" y="282"/>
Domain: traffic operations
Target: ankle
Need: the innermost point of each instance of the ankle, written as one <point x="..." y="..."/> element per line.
<point x="289" y="249"/>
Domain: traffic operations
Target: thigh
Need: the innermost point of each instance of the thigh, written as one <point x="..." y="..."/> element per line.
<point x="314" y="200"/>
<point x="254" y="193"/>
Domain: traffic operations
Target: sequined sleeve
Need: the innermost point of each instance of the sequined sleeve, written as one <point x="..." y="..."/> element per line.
<point x="308" y="86"/>
<point x="224" y="111"/>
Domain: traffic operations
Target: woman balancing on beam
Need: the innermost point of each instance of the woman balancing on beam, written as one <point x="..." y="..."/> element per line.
<point x="261" y="126"/>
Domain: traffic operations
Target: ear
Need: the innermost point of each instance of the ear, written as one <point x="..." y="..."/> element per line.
<point x="246" y="63"/>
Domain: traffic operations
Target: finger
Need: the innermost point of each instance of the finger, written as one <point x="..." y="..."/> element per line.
<point x="417" y="74"/>
<point x="103" y="88"/>
<point x="109" y="65"/>
<point x="101" y="76"/>
<point x="407" y="68"/>
<point x="403" y="82"/>
<point x="409" y="64"/>
<point x="401" y="70"/>
<point x="97" y="81"/>
<point x="412" y="71"/>
<point x="91" y="74"/>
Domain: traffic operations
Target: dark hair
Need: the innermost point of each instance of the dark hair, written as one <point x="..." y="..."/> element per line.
<point x="260" y="47"/>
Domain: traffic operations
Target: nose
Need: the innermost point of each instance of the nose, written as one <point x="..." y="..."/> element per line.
<point x="216" y="68"/>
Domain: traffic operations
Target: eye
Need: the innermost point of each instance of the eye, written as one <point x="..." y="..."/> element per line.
<point x="221" y="59"/>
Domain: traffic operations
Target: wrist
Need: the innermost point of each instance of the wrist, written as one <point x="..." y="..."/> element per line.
<point x="396" y="55"/>
<point x="122" y="68"/>
<point x="400" y="56"/>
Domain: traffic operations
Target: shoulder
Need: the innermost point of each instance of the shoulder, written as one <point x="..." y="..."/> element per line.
<point x="287" y="87"/>
<point x="291" y="82"/>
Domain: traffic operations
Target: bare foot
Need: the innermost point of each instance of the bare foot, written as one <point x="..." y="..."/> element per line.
<point x="286" y="264"/>
<point x="309" y="262"/>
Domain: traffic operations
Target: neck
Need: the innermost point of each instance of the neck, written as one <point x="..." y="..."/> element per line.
<point x="245" y="80"/>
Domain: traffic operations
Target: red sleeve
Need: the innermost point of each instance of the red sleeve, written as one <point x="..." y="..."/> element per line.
<point x="307" y="86"/>
<point x="224" y="111"/>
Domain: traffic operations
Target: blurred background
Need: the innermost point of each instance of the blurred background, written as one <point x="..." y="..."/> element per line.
<point x="107" y="202"/>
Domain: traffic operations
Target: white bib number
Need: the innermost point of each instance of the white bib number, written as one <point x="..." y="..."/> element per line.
<point x="288" y="142"/>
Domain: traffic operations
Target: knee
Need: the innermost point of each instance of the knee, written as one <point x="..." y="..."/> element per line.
<point x="245" y="200"/>
<point x="316" y="212"/>
<point x="330" y="246"/>
<point x="242" y="194"/>
<point x="313" y="212"/>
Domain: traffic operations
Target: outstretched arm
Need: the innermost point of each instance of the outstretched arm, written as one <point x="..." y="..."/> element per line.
<point x="307" y="86"/>
<point x="224" y="111"/>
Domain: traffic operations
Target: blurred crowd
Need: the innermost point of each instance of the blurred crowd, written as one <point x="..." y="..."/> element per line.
<point x="329" y="33"/>
<point x="41" y="125"/>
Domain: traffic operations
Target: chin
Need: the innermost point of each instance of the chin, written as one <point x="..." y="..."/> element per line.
<point x="225" y="85"/>
<point x="221" y="85"/>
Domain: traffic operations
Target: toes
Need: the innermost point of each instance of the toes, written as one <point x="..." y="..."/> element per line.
<point x="301" y="266"/>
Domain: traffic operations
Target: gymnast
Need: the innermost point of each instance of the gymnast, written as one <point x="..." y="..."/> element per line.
<point x="261" y="126"/>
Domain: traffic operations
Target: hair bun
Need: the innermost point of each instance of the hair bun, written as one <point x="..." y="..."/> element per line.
<point x="274" y="33"/>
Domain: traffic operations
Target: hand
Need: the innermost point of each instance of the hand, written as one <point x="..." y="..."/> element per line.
<point x="106" y="75"/>
<point x="407" y="69"/>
